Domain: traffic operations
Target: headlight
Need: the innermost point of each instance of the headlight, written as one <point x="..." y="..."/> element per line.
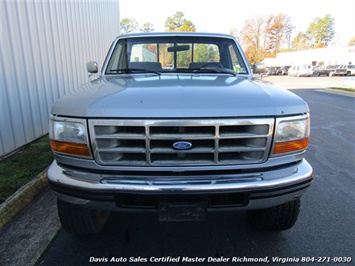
<point x="69" y="137"/>
<point x="291" y="136"/>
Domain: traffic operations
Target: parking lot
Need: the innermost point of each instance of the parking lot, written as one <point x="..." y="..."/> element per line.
<point x="306" y="82"/>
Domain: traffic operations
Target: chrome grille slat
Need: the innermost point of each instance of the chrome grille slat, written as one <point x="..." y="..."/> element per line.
<point x="241" y="149"/>
<point x="164" y="137"/>
<point x="118" y="136"/>
<point x="167" y="151"/>
<point x="241" y="136"/>
<point x="150" y="142"/>
<point x="121" y="150"/>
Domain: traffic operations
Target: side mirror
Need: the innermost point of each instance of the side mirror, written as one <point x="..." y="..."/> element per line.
<point x="259" y="68"/>
<point x="92" y="67"/>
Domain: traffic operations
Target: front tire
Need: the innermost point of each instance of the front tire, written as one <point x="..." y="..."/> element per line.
<point x="79" y="220"/>
<point x="278" y="218"/>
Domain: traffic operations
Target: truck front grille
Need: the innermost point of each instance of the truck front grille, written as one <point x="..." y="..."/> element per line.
<point x="167" y="142"/>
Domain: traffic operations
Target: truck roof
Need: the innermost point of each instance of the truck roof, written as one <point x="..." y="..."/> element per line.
<point x="170" y="33"/>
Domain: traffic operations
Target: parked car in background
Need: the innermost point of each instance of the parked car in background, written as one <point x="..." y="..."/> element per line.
<point x="270" y="71"/>
<point x="282" y="70"/>
<point x="340" y="70"/>
<point x="300" y="70"/>
<point x="350" y="70"/>
<point x="169" y="67"/>
<point x="315" y="70"/>
<point x="325" y="70"/>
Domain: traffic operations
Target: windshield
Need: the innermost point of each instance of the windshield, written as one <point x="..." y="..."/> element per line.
<point x="176" y="54"/>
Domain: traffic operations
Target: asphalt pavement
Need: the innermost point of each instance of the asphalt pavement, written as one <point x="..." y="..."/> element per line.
<point x="29" y="222"/>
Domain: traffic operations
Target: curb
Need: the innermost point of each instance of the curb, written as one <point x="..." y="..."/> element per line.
<point x="341" y="91"/>
<point x="21" y="198"/>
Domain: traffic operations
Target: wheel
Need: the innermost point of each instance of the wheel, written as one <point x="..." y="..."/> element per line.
<point x="277" y="218"/>
<point x="212" y="64"/>
<point x="79" y="220"/>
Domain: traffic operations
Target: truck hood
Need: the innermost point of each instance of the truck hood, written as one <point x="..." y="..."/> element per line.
<point x="178" y="96"/>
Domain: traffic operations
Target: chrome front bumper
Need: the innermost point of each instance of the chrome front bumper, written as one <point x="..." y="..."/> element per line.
<point x="263" y="189"/>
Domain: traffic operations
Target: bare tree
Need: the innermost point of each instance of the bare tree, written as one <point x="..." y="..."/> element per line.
<point x="252" y="39"/>
<point x="278" y="32"/>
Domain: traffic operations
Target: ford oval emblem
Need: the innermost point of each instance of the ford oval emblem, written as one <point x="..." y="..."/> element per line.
<point x="182" y="145"/>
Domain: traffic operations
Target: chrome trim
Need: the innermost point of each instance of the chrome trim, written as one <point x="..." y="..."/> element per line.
<point x="95" y="182"/>
<point x="148" y="143"/>
<point x="91" y="165"/>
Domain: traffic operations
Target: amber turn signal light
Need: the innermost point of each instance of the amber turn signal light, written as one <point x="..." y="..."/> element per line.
<point x="290" y="146"/>
<point x="70" y="148"/>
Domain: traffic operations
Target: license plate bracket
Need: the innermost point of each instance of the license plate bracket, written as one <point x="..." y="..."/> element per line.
<point x="170" y="212"/>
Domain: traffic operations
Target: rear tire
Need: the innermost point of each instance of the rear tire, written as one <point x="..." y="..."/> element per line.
<point x="278" y="218"/>
<point x="79" y="220"/>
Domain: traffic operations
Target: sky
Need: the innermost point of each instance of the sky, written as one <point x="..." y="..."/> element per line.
<point x="221" y="16"/>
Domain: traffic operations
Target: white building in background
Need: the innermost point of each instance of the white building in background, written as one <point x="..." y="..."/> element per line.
<point x="315" y="57"/>
<point x="141" y="54"/>
<point x="44" y="47"/>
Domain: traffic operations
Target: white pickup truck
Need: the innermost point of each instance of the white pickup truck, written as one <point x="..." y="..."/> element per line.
<point x="176" y="124"/>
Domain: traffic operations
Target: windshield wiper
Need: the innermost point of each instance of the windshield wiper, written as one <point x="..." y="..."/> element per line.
<point x="131" y="70"/>
<point x="215" y="70"/>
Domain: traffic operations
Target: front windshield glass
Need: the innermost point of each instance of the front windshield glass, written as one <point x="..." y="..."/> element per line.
<point x="176" y="54"/>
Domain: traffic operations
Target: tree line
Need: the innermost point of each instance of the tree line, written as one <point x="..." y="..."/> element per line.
<point x="261" y="37"/>
<point x="176" y="22"/>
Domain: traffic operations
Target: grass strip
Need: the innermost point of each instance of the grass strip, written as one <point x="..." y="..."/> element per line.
<point x="24" y="165"/>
